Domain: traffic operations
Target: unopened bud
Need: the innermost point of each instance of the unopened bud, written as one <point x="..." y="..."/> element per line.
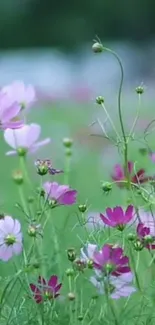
<point x="90" y="264"/>
<point x="18" y="177"/>
<point x="80" y="318"/>
<point x="106" y="187"/>
<point x="67" y="142"/>
<point x="80" y="265"/>
<point x="71" y="296"/>
<point x="149" y="239"/>
<point x="100" y="100"/>
<point x="71" y="254"/>
<point x="82" y="208"/>
<point x="140" y="90"/>
<point x="97" y="47"/>
<point x="32" y="231"/>
<point x="41" y="191"/>
<point x="69" y="272"/>
<point x="138" y="246"/>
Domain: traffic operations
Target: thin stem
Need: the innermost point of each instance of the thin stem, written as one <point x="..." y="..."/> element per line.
<point x="24" y="170"/>
<point x="67" y="168"/>
<point x="136" y="118"/>
<point x="111" y="122"/>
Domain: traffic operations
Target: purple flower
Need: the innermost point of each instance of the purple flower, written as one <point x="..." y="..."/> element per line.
<point x="119" y="175"/>
<point x="46" y="290"/>
<point x="110" y="260"/>
<point x="60" y="194"/>
<point x="144" y="236"/>
<point x="116" y="217"/>
<point x="18" y="92"/>
<point x="10" y="238"/>
<point x="116" y="287"/>
<point x="9" y="111"/>
<point x="24" y="139"/>
<point x="147" y="218"/>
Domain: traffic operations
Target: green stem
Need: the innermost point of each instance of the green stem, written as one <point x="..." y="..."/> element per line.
<point x="24" y="170"/>
<point x="67" y="168"/>
<point x="111" y="122"/>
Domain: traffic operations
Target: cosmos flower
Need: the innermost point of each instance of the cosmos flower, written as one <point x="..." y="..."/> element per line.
<point x="46" y="290"/>
<point x="144" y="237"/>
<point x="9" y="111"/>
<point x="119" y="175"/>
<point x="10" y="238"/>
<point x="87" y="252"/>
<point x="45" y="166"/>
<point x="60" y="194"/>
<point x="116" y="217"/>
<point x="116" y="287"/>
<point x="148" y="219"/>
<point x="19" y="93"/>
<point x="24" y="139"/>
<point x="110" y="260"/>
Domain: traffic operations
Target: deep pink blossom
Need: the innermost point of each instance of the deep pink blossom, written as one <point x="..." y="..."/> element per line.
<point x="10" y="238"/>
<point x="119" y="175"/>
<point x="145" y="237"/>
<point x="24" y="139"/>
<point x="9" y="112"/>
<point x="46" y="290"/>
<point x="111" y="260"/>
<point x="19" y="93"/>
<point x="60" y="194"/>
<point x="116" y="217"/>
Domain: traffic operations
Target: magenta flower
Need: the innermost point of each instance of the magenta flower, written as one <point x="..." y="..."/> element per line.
<point x="60" y="194"/>
<point x="116" y="217"/>
<point x="46" y="290"/>
<point x="24" y="139"/>
<point x="145" y="239"/>
<point x="111" y="260"/>
<point x="116" y="287"/>
<point x="10" y="238"/>
<point x="19" y="93"/>
<point x="119" y="175"/>
<point x="147" y="218"/>
<point x="9" y="111"/>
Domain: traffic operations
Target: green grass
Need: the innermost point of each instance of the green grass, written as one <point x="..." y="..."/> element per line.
<point x="90" y="165"/>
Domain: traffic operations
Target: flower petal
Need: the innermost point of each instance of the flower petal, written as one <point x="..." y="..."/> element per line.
<point x="53" y="281"/>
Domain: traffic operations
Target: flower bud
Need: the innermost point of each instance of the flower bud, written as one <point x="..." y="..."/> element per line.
<point x="90" y="264"/>
<point x="148" y="239"/>
<point x="80" y="318"/>
<point x="32" y="231"/>
<point x="97" y="47"/>
<point x="100" y="100"/>
<point x="41" y="191"/>
<point x="71" y="254"/>
<point x="67" y="142"/>
<point x="138" y="246"/>
<point x="106" y="187"/>
<point x="69" y="272"/>
<point x="140" y="90"/>
<point x="82" y="208"/>
<point x="71" y="296"/>
<point x="18" y="177"/>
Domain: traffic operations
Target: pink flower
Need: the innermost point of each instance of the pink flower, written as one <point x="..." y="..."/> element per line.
<point x="46" y="290"/>
<point x="110" y="259"/>
<point x="9" y="111"/>
<point x="119" y="175"/>
<point x="116" y="287"/>
<point x="147" y="218"/>
<point x="24" y="139"/>
<point x="10" y="238"/>
<point x="116" y="217"/>
<point x="144" y="236"/>
<point x="18" y="92"/>
<point x="60" y="194"/>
